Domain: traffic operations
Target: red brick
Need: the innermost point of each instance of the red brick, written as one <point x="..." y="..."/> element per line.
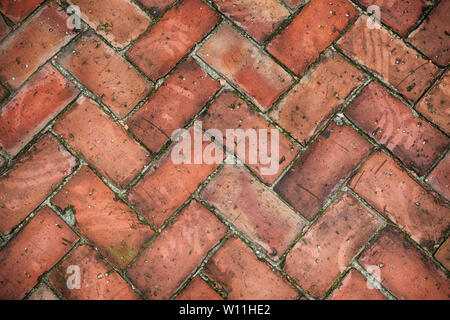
<point x="104" y="144"/>
<point x="33" y="43"/>
<point x="355" y="287"/>
<point x="392" y="192"/>
<point x="198" y="289"/>
<point x="17" y="10"/>
<point x="43" y="293"/>
<point x="238" y="271"/>
<point x="228" y="112"/>
<point x="322" y="169"/>
<point x="38" y="102"/>
<point x="157" y="52"/>
<point x="106" y="73"/>
<point x="176" y="102"/>
<point x="431" y="37"/>
<point x="4" y="93"/>
<point x="157" y="7"/>
<point x="328" y="247"/>
<point x="32" y="178"/>
<point x="317" y="96"/>
<point x="392" y="124"/>
<point x="98" y="281"/>
<point x="399" y="15"/>
<point x="175" y="254"/>
<point x="33" y="251"/>
<point x="314" y="29"/>
<point x="389" y="58"/>
<point x="439" y="178"/>
<point x="443" y="254"/>
<point x="258" y="213"/>
<point x="435" y="105"/>
<point x="4" y="28"/>
<point x="258" y="17"/>
<point x="167" y="185"/>
<point x="2" y="162"/>
<point x="118" y="21"/>
<point x="244" y="65"/>
<point x="108" y="223"/>
<point x="405" y="271"/>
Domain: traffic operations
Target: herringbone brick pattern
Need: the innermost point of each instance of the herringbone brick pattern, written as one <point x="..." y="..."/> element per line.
<point x="358" y="209"/>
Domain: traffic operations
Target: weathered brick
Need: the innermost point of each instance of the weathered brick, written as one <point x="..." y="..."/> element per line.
<point x="258" y="213"/>
<point x="17" y="10"/>
<point x="439" y="178"/>
<point x="33" y="251"/>
<point x="405" y="271"/>
<point x="318" y="24"/>
<point x="390" y="190"/>
<point x="29" y="111"/>
<point x="322" y="169"/>
<point x="98" y="281"/>
<point x="2" y="162"/>
<point x="108" y="223"/>
<point x="392" y="124"/>
<point x="317" y="96"/>
<point x="258" y="17"/>
<point x="435" y="105"/>
<point x="328" y="247"/>
<point x="157" y="7"/>
<point x="176" y="102"/>
<point x="4" y="28"/>
<point x="32" y="178"/>
<point x="355" y="287"/>
<point x="167" y="185"/>
<point x="389" y="58"/>
<point x="104" y="144"/>
<point x="432" y="36"/>
<point x="175" y="254"/>
<point x="238" y="271"/>
<point x="106" y="73"/>
<point x="244" y="65"/>
<point x="228" y="112"/>
<point x="399" y="15"/>
<point x="33" y="43"/>
<point x="443" y="254"/>
<point x="157" y="52"/>
<point x="118" y="21"/>
<point x="43" y="293"/>
<point x="198" y="289"/>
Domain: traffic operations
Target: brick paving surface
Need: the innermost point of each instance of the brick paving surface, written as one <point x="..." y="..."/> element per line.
<point x="94" y="206"/>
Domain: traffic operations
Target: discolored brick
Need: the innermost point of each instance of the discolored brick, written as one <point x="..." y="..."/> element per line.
<point x="432" y="36"/>
<point x="198" y="289"/>
<point x="243" y="277"/>
<point x="392" y="124"/>
<point x="167" y="185"/>
<point x="392" y="192"/>
<point x="18" y="10"/>
<point x="244" y="65"/>
<point x="35" y="104"/>
<point x="404" y="270"/>
<point x="33" y="251"/>
<point x="443" y="254"/>
<point x="157" y="7"/>
<point x="318" y="95"/>
<point x="322" y="169"/>
<point x="32" y="178"/>
<point x="439" y="178"/>
<point x="175" y="254"/>
<point x="176" y="102"/>
<point x="254" y="210"/>
<point x="107" y="222"/>
<point x="106" y="73"/>
<point x="98" y="281"/>
<point x="389" y="58"/>
<point x="4" y="28"/>
<point x="258" y="17"/>
<point x="355" y="287"/>
<point x="33" y="43"/>
<point x="328" y="247"/>
<point x="157" y="52"/>
<point x="118" y="21"/>
<point x="317" y="25"/>
<point x="43" y="292"/>
<point x="435" y="105"/>
<point x="228" y="112"/>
